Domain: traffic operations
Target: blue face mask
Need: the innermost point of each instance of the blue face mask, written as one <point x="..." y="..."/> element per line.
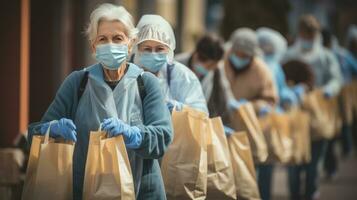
<point x="111" y="56"/>
<point x="306" y="44"/>
<point x="239" y="63"/>
<point x="200" y="70"/>
<point x="153" y="62"/>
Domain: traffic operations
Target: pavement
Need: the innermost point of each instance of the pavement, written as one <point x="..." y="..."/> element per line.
<point x="342" y="187"/>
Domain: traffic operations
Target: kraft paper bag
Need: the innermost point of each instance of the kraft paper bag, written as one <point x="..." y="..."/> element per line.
<point x="107" y="174"/>
<point x="300" y="135"/>
<point x="49" y="170"/>
<point x="184" y="165"/>
<point x="220" y="179"/>
<point x="346" y="96"/>
<point x="245" y="119"/>
<point x="320" y="118"/>
<point x="276" y="128"/>
<point x="243" y="166"/>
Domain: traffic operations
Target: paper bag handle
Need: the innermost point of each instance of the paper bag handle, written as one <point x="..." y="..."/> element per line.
<point x="47" y="134"/>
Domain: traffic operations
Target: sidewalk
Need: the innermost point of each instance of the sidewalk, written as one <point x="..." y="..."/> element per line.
<point x="343" y="187"/>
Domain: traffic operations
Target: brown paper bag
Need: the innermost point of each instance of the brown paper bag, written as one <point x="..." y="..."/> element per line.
<point x="243" y="166"/>
<point x="184" y="165"/>
<point x="245" y="119"/>
<point x="300" y="134"/>
<point x="49" y="170"/>
<point x="346" y="96"/>
<point x="220" y="181"/>
<point x="276" y="128"/>
<point x="108" y="174"/>
<point x="334" y="113"/>
<point x="320" y="118"/>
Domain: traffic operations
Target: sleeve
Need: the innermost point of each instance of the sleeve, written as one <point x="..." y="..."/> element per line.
<point x="225" y="83"/>
<point x="62" y="106"/>
<point x="157" y="131"/>
<point x="334" y="73"/>
<point x="186" y="88"/>
<point x="268" y="93"/>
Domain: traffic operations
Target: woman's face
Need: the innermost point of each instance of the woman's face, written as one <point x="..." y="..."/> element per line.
<point x="150" y="46"/>
<point x="111" y="32"/>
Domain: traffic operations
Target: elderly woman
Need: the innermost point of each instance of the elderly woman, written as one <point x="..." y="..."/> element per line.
<point x="249" y="77"/>
<point x="154" y="52"/>
<point x="118" y="95"/>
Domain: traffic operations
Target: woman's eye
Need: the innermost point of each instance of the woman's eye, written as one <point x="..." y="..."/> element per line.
<point x="118" y="39"/>
<point x="147" y="49"/>
<point x="160" y="50"/>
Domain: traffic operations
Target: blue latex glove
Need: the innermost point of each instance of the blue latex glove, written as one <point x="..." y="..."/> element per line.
<point x="328" y="94"/>
<point x="264" y="111"/>
<point x="172" y="103"/>
<point x="233" y="104"/>
<point x="114" y="127"/>
<point x="299" y="91"/>
<point x="279" y="110"/>
<point x="64" y="128"/>
<point x="228" y="131"/>
<point x="288" y="98"/>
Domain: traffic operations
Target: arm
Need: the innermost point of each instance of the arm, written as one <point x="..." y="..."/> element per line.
<point x="63" y="105"/>
<point x="186" y="88"/>
<point x="157" y="131"/>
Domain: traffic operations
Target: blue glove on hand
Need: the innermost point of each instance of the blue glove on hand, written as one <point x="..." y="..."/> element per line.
<point x="279" y="110"/>
<point x="64" y="128"/>
<point x="172" y="103"/>
<point x="114" y="127"/>
<point x="328" y="94"/>
<point x="228" y="131"/>
<point x="289" y="98"/>
<point x="264" y="111"/>
<point x="233" y="104"/>
<point x="299" y="91"/>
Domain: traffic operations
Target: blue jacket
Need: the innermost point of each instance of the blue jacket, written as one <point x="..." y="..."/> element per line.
<point x="157" y="131"/>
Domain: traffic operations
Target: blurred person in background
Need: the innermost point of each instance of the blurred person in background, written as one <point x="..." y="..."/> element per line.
<point x="154" y="52"/>
<point x="349" y="72"/>
<point x="308" y="48"/>
<point x="298" y="72"/>
<point x="249" y="77"/>
<point x="274" y="45"/>
<point x="206" y="62"/>
<point x="112" y="99"/>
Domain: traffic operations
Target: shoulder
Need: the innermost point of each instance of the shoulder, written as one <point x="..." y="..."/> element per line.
<point x="75" y="77"/>
<point x="261" y="67"/>
<point x="150" y="81"/>
<point x="183" y="72"/>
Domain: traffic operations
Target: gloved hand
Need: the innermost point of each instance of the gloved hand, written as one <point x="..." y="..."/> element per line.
<point x="64" y="128"/>
<point x="288" y="98"/>
<point x="114" y="127"/>
<point x="279" y="110"/>
<point x="233" y="104"/>
<point x="328" y="94"/>
<point x="264" y="111"/>
<point x="299" y="91"/>
<point x="228" y="131"/>
<point x="172" y="103"/>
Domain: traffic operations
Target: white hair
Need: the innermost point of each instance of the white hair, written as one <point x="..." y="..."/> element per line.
<point x="110" y="12"/>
